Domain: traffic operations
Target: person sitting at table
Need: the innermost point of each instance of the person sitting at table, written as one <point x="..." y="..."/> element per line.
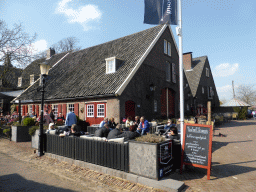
<point x="167" y="127"/>
<point x="173" y="134"/>
<point x="51" y="127"/>
<point x="102" y="123"/>
<point x="129" y="135"/>
<point x="137" y="121"/>
<point x="74" y="131"/>
<point x="102" y="132"/>
<point x="114" y="133"/>
<point x="143" y="127"/>
<point x="112" y="124"/>
<point x="128" y="122"/>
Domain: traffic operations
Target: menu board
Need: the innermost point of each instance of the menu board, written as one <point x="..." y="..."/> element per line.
<point x="197" y="146"/>
<point x="165" y="165"/>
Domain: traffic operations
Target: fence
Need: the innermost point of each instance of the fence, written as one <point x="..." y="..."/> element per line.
<point x="108" y="154"/>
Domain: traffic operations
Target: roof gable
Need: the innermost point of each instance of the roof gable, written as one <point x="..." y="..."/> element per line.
<point x="83" y="73"/>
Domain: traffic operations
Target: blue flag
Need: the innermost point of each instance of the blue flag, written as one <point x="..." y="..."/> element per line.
<point x="160" y="12"/>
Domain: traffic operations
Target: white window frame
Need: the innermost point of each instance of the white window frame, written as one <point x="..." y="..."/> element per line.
<point x="32" y="79"/>
<point x="71" y="106"/>
<point x="90" y="110"/>
<point x="21" y="110"/>
<point x="169" y="49"/>
<point x="165" y="46"/>
<point x="55" y="112"/>
<point x="173" y="73"/>
<point x="19" y="81"/>
<point x="210" y="93"/>
<point x="155" y="105"/>
<point x="110" y="65"/>
<point x="99" y="113"/>
<point x="30" y="109"/>
<point x="168" y="71"/>
<point x="207" y="72"/>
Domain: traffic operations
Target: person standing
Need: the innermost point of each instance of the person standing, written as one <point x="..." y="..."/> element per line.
<point x="70" y="119"/>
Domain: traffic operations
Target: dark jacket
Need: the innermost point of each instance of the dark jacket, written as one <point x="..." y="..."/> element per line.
<point x="113" y="134"/>
<point x="101" y="132"/>
<point x="128" y="135"/>
<point x="112" y="124"/>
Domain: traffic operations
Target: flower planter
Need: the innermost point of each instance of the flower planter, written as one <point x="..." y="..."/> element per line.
<point x="20" y="134"/>
<point x="152" y="160"/>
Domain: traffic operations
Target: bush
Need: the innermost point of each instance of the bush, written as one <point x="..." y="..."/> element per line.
<point x="6" y="130"/>
<point x="32" y="130"/>
<point x="151" y="138"/>
<point x="28" y="121"/>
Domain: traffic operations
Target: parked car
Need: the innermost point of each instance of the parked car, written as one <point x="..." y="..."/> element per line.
<point x="249" y="113"/>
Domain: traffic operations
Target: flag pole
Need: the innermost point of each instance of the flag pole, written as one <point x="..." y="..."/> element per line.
<point x="179" y="33"/>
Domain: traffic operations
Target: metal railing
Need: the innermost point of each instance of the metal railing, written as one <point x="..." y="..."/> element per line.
<point x="108" y="154"/>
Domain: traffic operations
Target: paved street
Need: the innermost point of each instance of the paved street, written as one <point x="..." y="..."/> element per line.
<point x="233" y="167"/>
<point x="233" y="161"/>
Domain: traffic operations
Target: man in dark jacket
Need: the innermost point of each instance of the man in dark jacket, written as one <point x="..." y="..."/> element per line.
<point x="129" y="135"/>
<point x="102" y="132"/>
<point x="114" y="133"/>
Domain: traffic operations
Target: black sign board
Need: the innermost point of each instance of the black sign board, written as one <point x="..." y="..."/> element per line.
<point x="197" y="146"/>
<point x="165" y="165"/>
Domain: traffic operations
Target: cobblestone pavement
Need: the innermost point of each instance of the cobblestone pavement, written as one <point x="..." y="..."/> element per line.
<point x="233" y="161"/>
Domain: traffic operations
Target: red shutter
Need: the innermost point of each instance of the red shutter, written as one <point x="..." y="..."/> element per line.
<point x="37" y="110"/>
<point x="76" y="109"/>
<point x="26" y="109"/>
<point x="17" y="109"/>
<point x="64" y="109"/>
<point x="59" y="109"/>
<point x="23" y="110"/>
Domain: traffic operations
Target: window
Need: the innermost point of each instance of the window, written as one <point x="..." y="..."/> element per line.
<point x="21" y="110"/>
<point x="19" y="81"/>
<point x="210" y="92"/>
<point x="187" y="107"/>
<point x="207" y="72"/>
<point x="32" y="79"/>
<point x="110" y="65"/>
<point x="100" y="110"/>
<point x="155" y="105"/>
<point x="173" y="73"/>
<point x="165" y="47"/>
<point x="30" y="109"/>
<point x="71" y="107"/>
<point x="169" y="49"/>
<point x="168" y="71"/>
<point x="202" y="90"/>
<point x="1" y="82"/>
<point x="90" y="110"/>
<point x="55" y="112"/>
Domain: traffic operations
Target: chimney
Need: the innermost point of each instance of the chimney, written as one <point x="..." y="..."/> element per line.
<point x="50" y="52"/>
<point x="187" y="60"/>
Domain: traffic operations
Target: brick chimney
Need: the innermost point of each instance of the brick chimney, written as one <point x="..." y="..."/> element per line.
<point x="187" y="60"/>
<point x="50" y="52"/>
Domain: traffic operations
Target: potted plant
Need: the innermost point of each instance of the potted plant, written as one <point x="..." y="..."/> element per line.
<point x="150" y="156"/>
<point x="20" y="133"/>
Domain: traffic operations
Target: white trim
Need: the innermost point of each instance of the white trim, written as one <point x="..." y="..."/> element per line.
<point x="113" y="67"/>
<point x="100" y="108"/>
<point x="103" y="101"/>
<point x="87" y="110"/>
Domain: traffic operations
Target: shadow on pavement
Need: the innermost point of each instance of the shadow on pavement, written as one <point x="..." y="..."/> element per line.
<point x="237" y="124"/>
<point x="217" y="145"/>
<point x="15" y="182"/>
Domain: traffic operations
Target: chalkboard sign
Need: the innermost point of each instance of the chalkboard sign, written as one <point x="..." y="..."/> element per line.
<point x="197" y="145"/>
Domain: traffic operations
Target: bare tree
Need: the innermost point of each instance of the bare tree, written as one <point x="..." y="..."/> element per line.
<point x="247" y="93"/>
<point x="15" y="45"/>
<point x="67" y="44"/>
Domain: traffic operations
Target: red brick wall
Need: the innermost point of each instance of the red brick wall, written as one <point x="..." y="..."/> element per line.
<point x="187" y="61"/>
<point x="64" y="110"/>
<point x="76" y="109"/>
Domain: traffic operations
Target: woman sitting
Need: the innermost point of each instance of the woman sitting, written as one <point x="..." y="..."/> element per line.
<point x="128" y="122"/>
<point x="112" y="124"/>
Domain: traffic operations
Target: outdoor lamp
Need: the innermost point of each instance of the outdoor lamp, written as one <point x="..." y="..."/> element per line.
<point x="44" y="68"/>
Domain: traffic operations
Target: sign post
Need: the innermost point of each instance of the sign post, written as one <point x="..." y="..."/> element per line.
<point x="197" y="147"/>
